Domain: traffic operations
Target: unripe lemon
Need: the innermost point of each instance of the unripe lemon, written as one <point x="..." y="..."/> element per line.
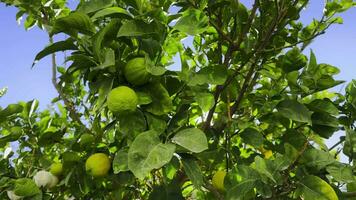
<point x="135" y="71"/>
<point x="122" y="100"/>
<point x="218" y="180"/>
<point x="86" y="139"/>
<point x="56" y="169"/>
<point x="98" y="165"/>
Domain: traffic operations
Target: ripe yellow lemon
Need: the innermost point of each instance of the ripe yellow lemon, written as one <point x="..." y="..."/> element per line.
<point x="98" y="165"/>
<point x="56" y="169"/>
<point x="122" y="100"/>
<point x="218" y="180"/>
<point x="268" y="154"/>
<point x="135" y="71"/>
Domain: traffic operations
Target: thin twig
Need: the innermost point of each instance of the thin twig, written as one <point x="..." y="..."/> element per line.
<point x="213" y="190"/>
<point x="69" y="105"/>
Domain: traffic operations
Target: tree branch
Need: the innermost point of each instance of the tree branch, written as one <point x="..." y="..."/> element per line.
<point x="349" y="194"/>
<point x="69" y="105"/>
<point x="213" y="190"/>
<point x="259" y="49"/>
<point x="247" y="26"/>
<point x="233" y="47"/>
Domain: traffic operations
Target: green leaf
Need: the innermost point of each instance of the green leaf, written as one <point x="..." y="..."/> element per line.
<point x="70" y="157"/>
<point x="351" y="93"/>
<point x="133" y="28"/>
<point x="324" y="119"/>
<point x="32" y="107"/>
<point x="147" y="153"/>
<point x="192" y="139"/>
<point x="143" y="98"/>
<point x="261" y="167"/>
<point x="132" y="123"/>
<point x="74" y="23"/>
<point x="295" y="138"/>
<point x="109" y="60"/>
<point x="29" y="22"/>
<point x="50" y="136"/>
<point x="14" y="134"/>
<point x="265" y="190"/>
<point x="156" y="123"/>
<point x="120" y="163"/>
<point x="324" y="124"/>
<point x="313" y="65"/>
<point x="323" y="105"/>
<point x="239" y="191"/>
<point x="317" y="159"/>
<point x="93" y="5"/>
<point x="209" y="75"/>
<point x="293" y="60"/>
<point x="161" y="101"/>
<point x="3" y="91"/>
<point x="193" y="172"/>
<point x="152" y="68"/>
<point x="315" y="188"/>
<point x="294" y="110"/>
<point x="350" y="143"/>
<point x="105" y="34"/>
<point x="290" y="153"/>
<point x="112" y="11"/>
<point x="252" y="137"/>
<point x="192" y="22"/>
<point x="320" y="77"/>
<point x="55" y="47"/>
<point x="205" y="100"/>
<point x="25" y="187"/>
<point x="341" y="173"/>
<point x="165" y="192"/>
<point x="10" y="110"/>
<point x="240" y="182"/>
<point x="104" y="89"/>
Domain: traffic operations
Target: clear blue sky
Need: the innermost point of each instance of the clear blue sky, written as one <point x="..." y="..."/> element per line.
<point x="19" y="47"/>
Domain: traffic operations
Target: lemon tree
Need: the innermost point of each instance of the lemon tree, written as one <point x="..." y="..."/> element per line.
<point x="205" y="100"/>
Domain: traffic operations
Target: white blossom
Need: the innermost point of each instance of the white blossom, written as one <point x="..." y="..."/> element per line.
<point x="54" y="181"/>
<point x="45" y="179"/>
<point x="12" y="195"/>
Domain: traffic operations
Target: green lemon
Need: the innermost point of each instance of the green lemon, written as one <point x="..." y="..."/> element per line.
<point x="135" y="71"/>
<point x="122" y="100"/>
<point x="86" y="139"/>
<point x="218" y="180"/>
<point x="56" y="169"/>
<point x="98" y="165"/>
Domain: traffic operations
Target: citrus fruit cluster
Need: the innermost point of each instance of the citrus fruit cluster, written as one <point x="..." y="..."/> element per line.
<point x="124" y="99"/>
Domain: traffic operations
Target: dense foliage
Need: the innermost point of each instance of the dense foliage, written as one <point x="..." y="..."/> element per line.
<point x="244" y="100"/>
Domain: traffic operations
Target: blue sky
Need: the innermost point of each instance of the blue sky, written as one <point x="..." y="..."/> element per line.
<point x="19" y="47"/>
